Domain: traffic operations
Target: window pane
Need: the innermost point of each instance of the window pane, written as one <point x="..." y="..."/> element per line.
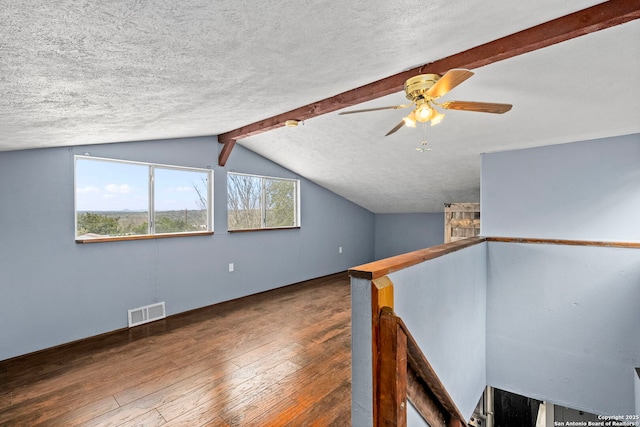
<point x="256" y="202"/>
<point x="280" y="203"/>
<point x="180" y="200"/>
<point x="243" y="201"/>
<point x="111" y="199"/>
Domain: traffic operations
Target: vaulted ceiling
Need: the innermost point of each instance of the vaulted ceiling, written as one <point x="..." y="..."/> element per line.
<point x="80" y="72"/>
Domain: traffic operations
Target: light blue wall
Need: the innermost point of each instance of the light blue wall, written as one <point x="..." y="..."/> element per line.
<point x="414" y="419"/>
<point x="443" y="303"/>
<point x="397" y="234"/>
<point x="584" y="191"/>
<point x="53" y="290"/>
<point x="361" y="353"/>
<point x="563" y="324"/>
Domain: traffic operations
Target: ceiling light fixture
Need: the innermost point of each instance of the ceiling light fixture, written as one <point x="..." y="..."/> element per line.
<point x="424" y="112"/>
<point x="437" y="117"/>
<point x="410" y="120"/>
<point x="292" y="123"/>
<point x="423" y="91"/>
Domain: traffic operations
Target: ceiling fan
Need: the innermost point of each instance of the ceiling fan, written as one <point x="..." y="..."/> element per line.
<point x="423" y="90"/>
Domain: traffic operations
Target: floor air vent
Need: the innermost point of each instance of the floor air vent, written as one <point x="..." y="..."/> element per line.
<point x="146" y="314"/>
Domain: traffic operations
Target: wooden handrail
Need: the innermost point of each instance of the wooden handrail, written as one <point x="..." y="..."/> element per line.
<point x="630" y="245"/>
<point x="404" y="372"/>
<point x="380" y="268"/>
<point x="376" y="269"/>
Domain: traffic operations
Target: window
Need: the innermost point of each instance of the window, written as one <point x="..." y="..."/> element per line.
<point x="118" y="199"/>
<point x="261" y="202"/>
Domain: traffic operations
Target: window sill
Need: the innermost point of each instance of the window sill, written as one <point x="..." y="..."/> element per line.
<point x="263" y="229"/>
<point x="145" y="237"/>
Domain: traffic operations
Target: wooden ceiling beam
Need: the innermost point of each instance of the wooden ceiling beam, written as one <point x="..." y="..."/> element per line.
<point x="589" y="20"/>
<point x="226" y="151"/>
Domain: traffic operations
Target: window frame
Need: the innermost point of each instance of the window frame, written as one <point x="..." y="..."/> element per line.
<point x="263" y="207"/>
<point x="151" y="214"/>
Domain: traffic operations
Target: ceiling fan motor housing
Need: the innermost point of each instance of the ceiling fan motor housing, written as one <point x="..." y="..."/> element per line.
<point x="417" y="86"/>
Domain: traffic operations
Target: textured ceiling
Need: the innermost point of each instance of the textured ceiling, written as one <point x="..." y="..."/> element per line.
<point x="81" y="72"/>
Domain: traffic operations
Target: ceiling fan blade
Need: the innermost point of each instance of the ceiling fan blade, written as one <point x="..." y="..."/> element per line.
<point x="395" y="107"/>
<point x="451" y="79"/>
<point x="483" y="107"/>
<point x="395" y="129"/>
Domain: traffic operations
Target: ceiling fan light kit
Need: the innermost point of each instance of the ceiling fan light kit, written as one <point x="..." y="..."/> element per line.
<point x="410" y="120"/>
<point x="437" y="117"/>
<point x="423" y="90"/>
<point x="423" y="111"/>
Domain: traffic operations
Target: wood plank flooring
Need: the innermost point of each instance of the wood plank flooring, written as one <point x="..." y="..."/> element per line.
<point x="279" y="358"/>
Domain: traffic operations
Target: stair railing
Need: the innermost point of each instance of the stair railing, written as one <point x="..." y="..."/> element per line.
<point x="404" y="374"/>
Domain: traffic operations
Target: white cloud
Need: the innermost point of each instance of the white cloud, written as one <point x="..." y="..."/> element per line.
<point x="108" y="196"/>
<point x="87" y="189"/>
<point x="119" y="189"/>
<point x="178" y="189"/>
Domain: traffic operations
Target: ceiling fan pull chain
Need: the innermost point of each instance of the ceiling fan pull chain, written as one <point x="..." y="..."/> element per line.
<point x="424" y="140"/>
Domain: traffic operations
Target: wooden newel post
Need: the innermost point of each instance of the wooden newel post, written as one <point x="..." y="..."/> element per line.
<point x="392" y="374"/>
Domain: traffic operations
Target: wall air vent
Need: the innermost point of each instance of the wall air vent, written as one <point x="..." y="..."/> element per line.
<point x="146" y="314"/>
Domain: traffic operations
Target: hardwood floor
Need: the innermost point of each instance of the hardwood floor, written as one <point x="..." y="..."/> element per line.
<point x="280" y="358"/>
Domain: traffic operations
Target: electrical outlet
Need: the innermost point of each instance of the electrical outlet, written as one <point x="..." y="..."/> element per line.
<point x="340" y="249"/>
<point x="231" y="267"/>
